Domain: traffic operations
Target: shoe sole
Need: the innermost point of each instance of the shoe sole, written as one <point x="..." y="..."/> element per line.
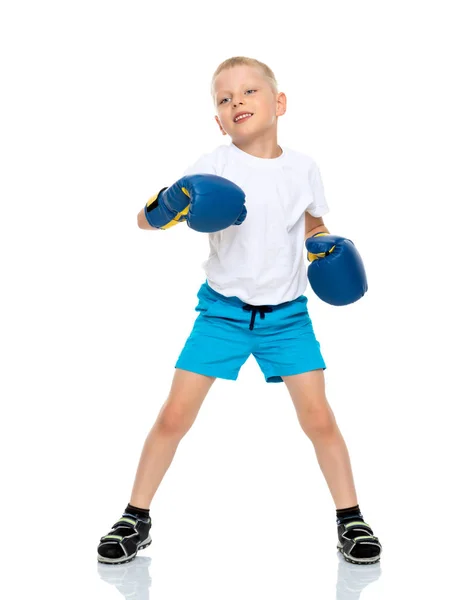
<point x="360" y="561"/>
<point x="121" y="561"/>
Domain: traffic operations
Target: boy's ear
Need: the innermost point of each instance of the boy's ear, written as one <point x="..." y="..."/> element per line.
<point x="220" y="125"/>
<point x="281" y="104"/>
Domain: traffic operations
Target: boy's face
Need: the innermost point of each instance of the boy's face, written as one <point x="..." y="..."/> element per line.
<point x="244" y="89"/>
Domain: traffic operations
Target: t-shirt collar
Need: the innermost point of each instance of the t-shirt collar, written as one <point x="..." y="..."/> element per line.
<point x="256" y="160"/>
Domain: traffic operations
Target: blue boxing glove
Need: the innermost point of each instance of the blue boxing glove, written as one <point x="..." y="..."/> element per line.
<point x="336" y="272"/>
<point x="206" y="202"/>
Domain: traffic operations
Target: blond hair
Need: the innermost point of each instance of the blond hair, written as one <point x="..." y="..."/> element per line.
<point x="235" y="61"/>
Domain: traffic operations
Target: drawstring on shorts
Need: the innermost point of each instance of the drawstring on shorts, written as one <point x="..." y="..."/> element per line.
<point x="255" y="309"/>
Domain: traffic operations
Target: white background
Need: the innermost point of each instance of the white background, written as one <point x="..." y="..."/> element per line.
<point x="102" y="104"/>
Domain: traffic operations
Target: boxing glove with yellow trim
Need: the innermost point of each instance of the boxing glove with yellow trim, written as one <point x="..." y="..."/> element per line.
<point x="336" y="272"/>
<point x="206" y="202"/>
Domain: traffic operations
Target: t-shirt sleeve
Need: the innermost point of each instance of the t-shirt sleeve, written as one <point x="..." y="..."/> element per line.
<point x="205" y="164"/>
<point x="318" y="206"/>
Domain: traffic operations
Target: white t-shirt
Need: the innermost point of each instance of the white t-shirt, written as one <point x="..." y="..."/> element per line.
<point x="261" y="261"/>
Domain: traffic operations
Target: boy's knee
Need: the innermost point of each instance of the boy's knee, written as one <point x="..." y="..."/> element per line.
<point x="319" y="423"/>
<point x="173" y="420"/>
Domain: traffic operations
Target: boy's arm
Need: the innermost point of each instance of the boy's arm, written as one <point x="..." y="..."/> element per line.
<point x="143" y="223"/>
<point x="314" y="225"/>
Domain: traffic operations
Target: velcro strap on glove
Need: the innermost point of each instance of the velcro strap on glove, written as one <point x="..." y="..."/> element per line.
<point x="175" y="218"/>
<point x="312" y="256"/>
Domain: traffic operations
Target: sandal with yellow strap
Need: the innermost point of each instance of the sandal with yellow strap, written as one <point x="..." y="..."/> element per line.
<point x="357" y="543"/>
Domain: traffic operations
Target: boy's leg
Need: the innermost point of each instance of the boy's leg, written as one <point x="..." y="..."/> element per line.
<point x="355" y="537"/>
<point x="132" y="532"/>
<point x="175" y="418"/>
<point x="317" y="420"/>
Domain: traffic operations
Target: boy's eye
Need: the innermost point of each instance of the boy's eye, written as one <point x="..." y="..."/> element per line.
<point x="221" y="102"/>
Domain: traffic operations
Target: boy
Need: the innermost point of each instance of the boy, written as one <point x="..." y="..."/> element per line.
<point x="252" y="303"/>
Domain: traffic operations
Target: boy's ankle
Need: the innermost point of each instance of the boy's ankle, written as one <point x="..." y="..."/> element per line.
<point x="143" y="513"/>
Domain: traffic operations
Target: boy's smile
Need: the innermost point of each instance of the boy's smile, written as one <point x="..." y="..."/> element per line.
<point x="242" y="116"/>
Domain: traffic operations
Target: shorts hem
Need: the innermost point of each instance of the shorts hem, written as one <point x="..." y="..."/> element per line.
<point x="205" y="372"/>
<point x="295" y="372"/>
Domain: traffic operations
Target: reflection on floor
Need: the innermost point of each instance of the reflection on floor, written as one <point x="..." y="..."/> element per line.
<point x="133" y="579"/>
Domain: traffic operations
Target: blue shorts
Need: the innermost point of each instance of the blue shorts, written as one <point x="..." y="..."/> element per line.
<point x="227" y="331"/>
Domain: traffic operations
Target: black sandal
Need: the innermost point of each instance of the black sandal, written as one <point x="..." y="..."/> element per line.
<point x="362" y="549"/>
<point x="127" y="536"/>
